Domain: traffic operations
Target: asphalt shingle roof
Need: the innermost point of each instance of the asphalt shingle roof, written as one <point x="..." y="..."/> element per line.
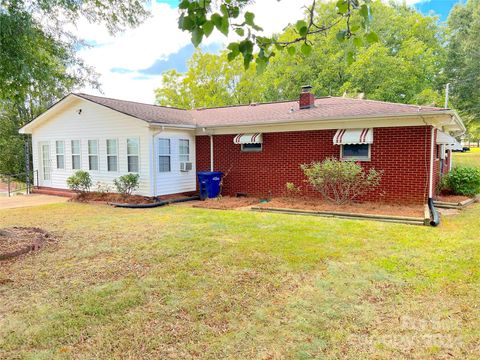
<point x="276" y="112"/>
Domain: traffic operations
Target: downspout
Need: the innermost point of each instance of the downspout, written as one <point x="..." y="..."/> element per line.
<point x="211" y="153"/>
<point x="434" y="214"/>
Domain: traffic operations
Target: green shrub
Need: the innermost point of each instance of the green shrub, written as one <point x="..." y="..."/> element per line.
<point x="127" y="184"/>
<point x="341" y="181"/>
<point x="464" y="181"/>
<point x="291" y="190"/>
<point x="80" y="182"/>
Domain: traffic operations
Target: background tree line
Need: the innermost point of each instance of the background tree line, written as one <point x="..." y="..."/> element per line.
<point x="415" y="57"/>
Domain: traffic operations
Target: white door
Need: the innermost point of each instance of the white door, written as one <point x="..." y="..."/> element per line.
<point x="45" y="165"/>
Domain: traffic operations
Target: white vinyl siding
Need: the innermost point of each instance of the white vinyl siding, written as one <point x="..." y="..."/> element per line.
<point x="133" y="147"/>
<point x="93" y="155"/>
<point x="174" y="181"/>
<point x="60" y="154"/>
<point x="97" y="122"/>
<point x="164" y="155"/>
<point x="76" y="157"/>
<point x="112" y="155"/>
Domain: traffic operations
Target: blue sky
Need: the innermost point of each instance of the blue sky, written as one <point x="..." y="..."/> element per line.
<point x="131" y="63"/>
<point x="438" y="7"/>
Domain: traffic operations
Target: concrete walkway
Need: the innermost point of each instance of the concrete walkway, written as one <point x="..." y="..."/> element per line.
<point x="19" y="201"/>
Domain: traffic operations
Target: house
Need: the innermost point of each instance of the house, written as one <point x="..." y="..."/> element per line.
<point x="259" y="146"/>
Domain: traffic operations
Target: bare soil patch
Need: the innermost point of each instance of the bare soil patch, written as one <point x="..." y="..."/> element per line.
<point x="227" y="203"/>
<point x="105" y="198"/>
<point x="17" y="241"/>
<point x="109" y="198"/>
<point x="315" y="204"/>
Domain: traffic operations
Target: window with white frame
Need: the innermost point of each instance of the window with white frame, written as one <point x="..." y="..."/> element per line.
<point x="76" y="162"/>
<point x="133" y="151"/>
<point x="60" y="151"/>
<point x="93" y="154"/>
<point x="164" y="155"/>
<point x="184" y="150"/>
<point x="112" y="155"/>
<point x="360" y="152"/>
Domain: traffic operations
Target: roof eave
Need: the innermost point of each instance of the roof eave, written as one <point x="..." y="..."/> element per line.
<point x="332" y="120"/>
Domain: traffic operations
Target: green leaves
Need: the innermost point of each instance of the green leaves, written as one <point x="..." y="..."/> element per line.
<point x="306" y="49"/>
<point x="249" y="18"/>
<point x="301" y="27"/>
<point x="197" y="36"/>
<point x="371" y="37"/>
<point x="208" y="28"/>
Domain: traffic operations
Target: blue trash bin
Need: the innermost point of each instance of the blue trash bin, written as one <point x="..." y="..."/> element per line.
<point x="209" y="183"/>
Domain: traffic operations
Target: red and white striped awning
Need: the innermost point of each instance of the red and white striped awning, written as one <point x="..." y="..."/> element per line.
<point x="248" y="139"/>
<point x="353" y="136"/>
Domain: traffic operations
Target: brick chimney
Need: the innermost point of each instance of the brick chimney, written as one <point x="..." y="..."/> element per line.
<point x="307" y="99"/>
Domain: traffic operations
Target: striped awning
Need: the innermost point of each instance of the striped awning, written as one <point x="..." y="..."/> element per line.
<point x="248" y="139"/>
<point x="353" y="136"/>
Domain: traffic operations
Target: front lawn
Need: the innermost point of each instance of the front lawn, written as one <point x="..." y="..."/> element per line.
<point x="178" y="282"/>
<point x="469" y="158"/>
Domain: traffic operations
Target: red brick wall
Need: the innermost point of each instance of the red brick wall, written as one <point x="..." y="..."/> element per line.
<point x="402" y="153"/>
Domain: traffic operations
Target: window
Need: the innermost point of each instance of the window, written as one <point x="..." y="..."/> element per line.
<point x="356" y="152"/>
<point x="112" y="155"/>
<point x="184" y="150"/>
<point x="132" y="154"/>
<point x="251" y="147"/>
<point x="164" y="155"/>
<point x="60" y="148"/>
<point x="93" y="154"/>
<point x="76" y="163"/>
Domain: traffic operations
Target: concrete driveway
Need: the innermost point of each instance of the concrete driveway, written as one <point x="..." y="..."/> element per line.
<point x="29" y="200"/>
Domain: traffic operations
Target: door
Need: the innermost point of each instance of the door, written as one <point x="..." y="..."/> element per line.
<point x="45" y="165"/>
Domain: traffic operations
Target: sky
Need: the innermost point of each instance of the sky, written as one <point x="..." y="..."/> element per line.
<point x="130" y="64"/>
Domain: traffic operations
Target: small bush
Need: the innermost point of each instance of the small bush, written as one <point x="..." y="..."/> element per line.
<point x="464" y="181"/>
<point x="341" y="181"/>
<point x="80" y="182"/>
<point x="102" y="188"/>
<point x="292" y="190"/>
<point x="127" y="184"/>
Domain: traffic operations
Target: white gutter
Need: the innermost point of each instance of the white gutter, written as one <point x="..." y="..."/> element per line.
<point x="432" y="150"/>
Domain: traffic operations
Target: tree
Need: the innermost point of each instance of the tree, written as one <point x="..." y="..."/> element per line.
<point x="404" y="66"/>
<point x="38" y="62"/>
<point x="463" y="62"/>
<point x="211" y="80"/>
<point x="201" y="17"/>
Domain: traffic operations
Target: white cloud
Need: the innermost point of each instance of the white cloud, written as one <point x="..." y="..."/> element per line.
<point x="157" y="38"/>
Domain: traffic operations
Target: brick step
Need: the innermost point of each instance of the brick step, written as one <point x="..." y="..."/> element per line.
<point x="53" y="191"/>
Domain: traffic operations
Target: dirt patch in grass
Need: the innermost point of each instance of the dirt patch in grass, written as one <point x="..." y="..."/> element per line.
<point x="17" y="241"/>
<point x="105" y="198"/>
<point x="109" y="198"/>
<point x="359" y="208"/>
<point x="227" y="203"/>
<point x="305" y="203"/>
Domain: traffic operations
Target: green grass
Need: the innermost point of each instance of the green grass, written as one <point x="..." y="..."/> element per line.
<point x="178" y="282"/>
<point x="471" y="158"/>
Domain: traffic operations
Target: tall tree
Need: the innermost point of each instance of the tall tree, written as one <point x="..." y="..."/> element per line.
<point x="403" y="66"/>
<point x="210" y="80"/>
<point x="38" y="62"/>
<point x="463" y="62"/>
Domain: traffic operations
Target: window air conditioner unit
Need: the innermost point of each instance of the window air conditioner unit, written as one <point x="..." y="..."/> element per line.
<point x="186" y="166"/>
